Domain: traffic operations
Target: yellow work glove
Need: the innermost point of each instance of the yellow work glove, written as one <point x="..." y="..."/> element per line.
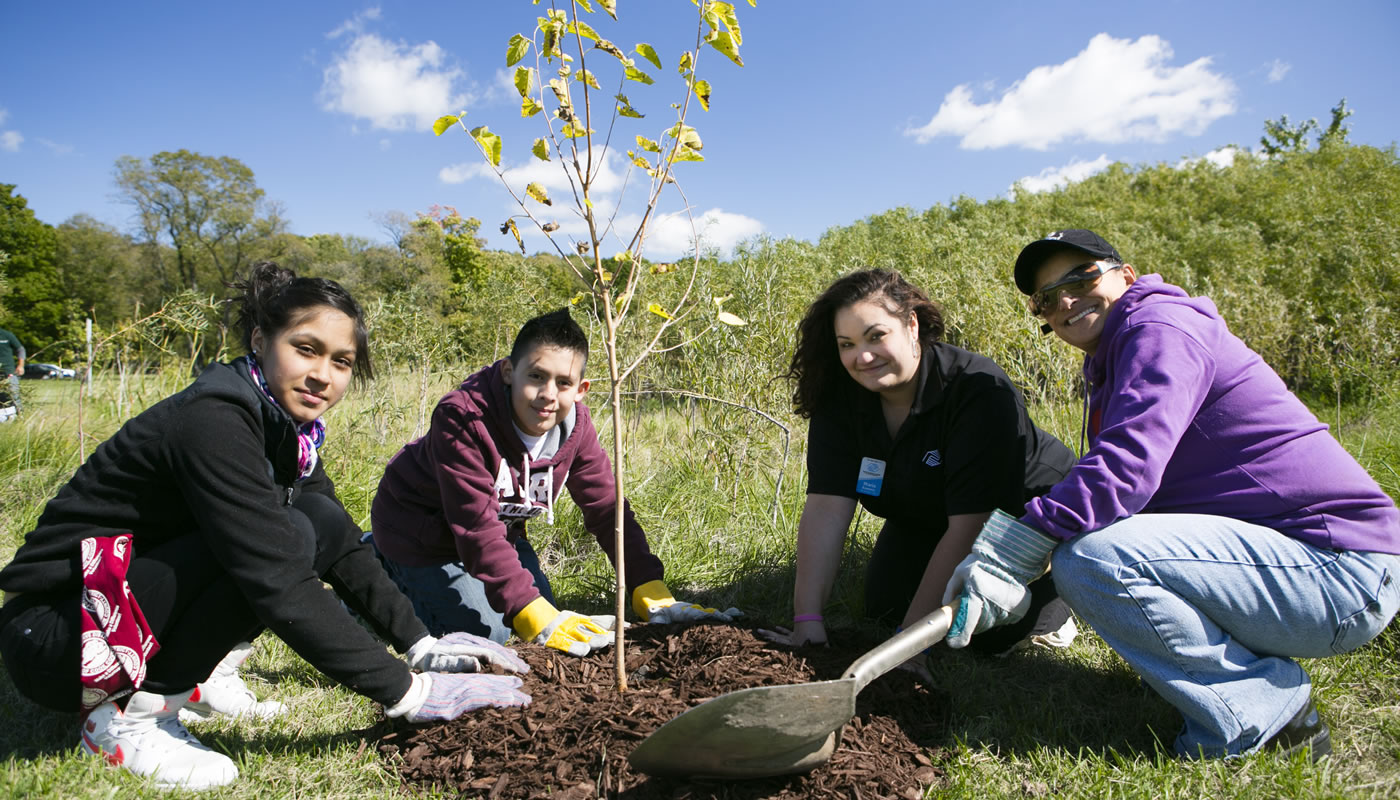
<point x="653" y="602"/>
<point x="567" y="631"/>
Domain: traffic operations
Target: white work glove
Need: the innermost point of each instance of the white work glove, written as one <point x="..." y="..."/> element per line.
<point x="991" y="581"/>
<point x="462" y="652"/>
<point x="653" y="603"/>
<point x="567" y="631"/>
<point x="443" y="696"/>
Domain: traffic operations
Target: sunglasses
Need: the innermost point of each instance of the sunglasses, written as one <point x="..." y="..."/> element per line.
<point x="1078" y="282"/>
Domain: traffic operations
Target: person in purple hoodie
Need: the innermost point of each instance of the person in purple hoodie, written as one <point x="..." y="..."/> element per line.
<point x="1212" y="532"/>
<point x="449" y="517"/>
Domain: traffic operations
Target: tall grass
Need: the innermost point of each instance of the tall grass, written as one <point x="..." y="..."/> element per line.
<point x="1073" y="723"/>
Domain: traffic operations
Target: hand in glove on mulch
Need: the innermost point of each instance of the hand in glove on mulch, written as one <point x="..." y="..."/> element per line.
<point x="443" y="696"/>
<point x="566" y="631"/>
<point x="653" y="603"/>
<point x="463" y="652"/>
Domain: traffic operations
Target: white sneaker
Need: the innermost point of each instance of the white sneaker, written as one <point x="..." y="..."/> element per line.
<point x="224" y="692"/>
<point x="148" y="739"/>
<point x="1055" y="628"/>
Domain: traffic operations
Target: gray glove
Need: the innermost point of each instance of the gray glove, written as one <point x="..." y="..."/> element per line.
<point x="462" y="652"/>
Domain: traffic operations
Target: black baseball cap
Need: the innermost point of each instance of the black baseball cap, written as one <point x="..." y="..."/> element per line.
<point x="1035" y="253"/>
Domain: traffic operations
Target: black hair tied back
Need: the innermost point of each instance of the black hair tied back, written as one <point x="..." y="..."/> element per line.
<point x="273" y="297"/>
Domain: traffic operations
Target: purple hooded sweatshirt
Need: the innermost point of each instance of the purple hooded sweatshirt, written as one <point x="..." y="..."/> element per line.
<point x="1184" y="418"/>
<point x="456" y="494"/>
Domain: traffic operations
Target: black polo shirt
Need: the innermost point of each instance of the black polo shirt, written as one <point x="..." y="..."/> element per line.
<point x="967" y="447"/>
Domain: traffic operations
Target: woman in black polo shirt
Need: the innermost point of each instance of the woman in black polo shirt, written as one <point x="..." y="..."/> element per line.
<point x="928" y="436"/>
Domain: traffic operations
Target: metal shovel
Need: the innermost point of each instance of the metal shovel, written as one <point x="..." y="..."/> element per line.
<point x="777" y="730"/>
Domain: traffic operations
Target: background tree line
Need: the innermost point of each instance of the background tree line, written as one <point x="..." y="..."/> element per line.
<point x="1297" y="245"/>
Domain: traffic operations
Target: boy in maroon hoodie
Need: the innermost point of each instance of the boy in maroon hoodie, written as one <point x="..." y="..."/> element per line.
<point x="449" y="517"/>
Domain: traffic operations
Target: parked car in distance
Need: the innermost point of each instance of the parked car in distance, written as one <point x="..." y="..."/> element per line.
<point x="43" y="372"/>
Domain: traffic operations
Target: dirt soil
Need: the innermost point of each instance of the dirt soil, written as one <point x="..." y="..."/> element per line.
<point x="573" y="740"/>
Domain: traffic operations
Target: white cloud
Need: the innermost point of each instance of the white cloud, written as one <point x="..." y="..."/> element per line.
<point x="461" y="173"/>
<point x="355" y="24"/>
<point x="548" y="174"/>
<point x="57" y="148"/>
<point x="671" y="235"/>
<point x="4" y="115"/>
<point x="393" y="85"/>
<point x="10" y="141"/>
<point x="1057" y="177"/>
<point x="1115" y="90"/>
<point x="1221" y="157"/>
<point x="385" y="144"/>
<point x="1277" y="69"/>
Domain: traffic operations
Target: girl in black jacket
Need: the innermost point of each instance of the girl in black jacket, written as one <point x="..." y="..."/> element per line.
<point x="207" y="519"/>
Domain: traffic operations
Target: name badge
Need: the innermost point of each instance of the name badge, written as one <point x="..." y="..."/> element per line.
<point x="872" y="475"/>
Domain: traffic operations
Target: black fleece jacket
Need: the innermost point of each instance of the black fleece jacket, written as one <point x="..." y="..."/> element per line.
<point x="219" y="460"/>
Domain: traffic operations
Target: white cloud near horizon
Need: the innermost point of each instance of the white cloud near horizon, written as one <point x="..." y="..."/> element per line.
<point x="1277" y="69"/>
<point x="670" y="235"/>
<point x="393" y="85"/>
<point x="1113" y="91"/>
<point x="1221" y="157"/>
<point x="1058" y="177"/>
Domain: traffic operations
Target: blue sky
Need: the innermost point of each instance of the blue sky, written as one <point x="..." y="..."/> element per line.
<point x="841" y="110"/>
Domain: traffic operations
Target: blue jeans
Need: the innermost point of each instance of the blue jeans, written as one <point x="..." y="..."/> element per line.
<point x="447" y="598"/>
<point x="1211" y="612"/>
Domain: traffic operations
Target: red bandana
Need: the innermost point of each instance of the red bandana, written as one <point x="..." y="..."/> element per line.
<point x="116" y="640"/>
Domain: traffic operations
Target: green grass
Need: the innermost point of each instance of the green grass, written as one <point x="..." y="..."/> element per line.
<point x="1074" y="723"/>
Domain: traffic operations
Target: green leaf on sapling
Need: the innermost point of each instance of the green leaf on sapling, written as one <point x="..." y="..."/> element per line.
<point x="490" y="144"/>
<point x="723" y="42"/>
<point x="584" y="76"/>
<point x="541" y="149"/>
<point x="536" y="191"/>
<point x="702" y="93"/>
<point x="649" y="53"/>
<point x="625" y="109"/>
<point x="634" y="74"/>
<point x="516" y="49"/>
<point x="509" y="227"/>
<point x="441" y="125"/>
<point x="524" y="79"/>
<point x="581" y="28"/>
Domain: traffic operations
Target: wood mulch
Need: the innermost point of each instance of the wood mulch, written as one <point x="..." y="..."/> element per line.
<point x="573" y="740"/>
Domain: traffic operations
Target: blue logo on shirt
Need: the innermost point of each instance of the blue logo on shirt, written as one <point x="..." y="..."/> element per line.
<point x="933" y="458"/>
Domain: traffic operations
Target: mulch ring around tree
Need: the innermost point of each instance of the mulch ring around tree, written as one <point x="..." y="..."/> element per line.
<point x="573" y="740"/>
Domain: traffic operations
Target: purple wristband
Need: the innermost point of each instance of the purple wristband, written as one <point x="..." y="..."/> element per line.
<point x="807" y="618"/>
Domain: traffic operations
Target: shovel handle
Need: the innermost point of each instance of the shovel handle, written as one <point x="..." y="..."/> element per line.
<point x="902" y="646"/>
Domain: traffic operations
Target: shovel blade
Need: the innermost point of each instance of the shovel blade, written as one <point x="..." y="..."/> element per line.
<point x="768" y="730"/>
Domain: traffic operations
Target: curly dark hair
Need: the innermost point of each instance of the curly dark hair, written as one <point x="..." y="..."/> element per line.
<point x="273" y="297"/>
<point x="816" y="366"/>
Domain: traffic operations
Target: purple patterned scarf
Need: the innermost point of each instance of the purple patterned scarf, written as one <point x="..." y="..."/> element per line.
<point x="310" y="436"/>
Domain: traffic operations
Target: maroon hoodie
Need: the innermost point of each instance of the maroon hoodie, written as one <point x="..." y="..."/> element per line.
<point x="456" y="493"/>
